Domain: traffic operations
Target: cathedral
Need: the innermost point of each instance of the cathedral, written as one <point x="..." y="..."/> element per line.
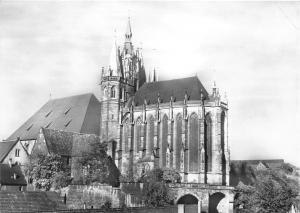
<point x="148" y="124"/>
<point x="175" y="123"/>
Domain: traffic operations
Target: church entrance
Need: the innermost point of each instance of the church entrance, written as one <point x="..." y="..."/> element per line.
<point x="188" y="204"/>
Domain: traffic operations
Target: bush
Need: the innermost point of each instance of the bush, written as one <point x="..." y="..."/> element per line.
<point x="48" y="171"/>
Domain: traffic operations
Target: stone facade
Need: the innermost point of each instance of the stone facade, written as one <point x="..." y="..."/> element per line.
<point x="184" y="131"/>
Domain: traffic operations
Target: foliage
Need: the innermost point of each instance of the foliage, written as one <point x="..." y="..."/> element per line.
<point x="272" y="192"/>
<point x="97" y="166"/>
<point x="106" y="205"/>
<point x="126" y="178"/>
<point x="152" y="187"/>
<point x="155" y="191"/>
<point x="241" y="171"/>
<point x="48" y="171"/>
<point x="156" y="194"/>
<point x="171" y="176"/>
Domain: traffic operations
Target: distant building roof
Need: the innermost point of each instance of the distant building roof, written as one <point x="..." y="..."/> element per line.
<point x="5" y="147"/>
<point x="80" y="113"/>
<point x="68" y="143"/>
<point x="11" y="175"/>
<point x="268" y="163"/>
<point x="176" y="87"/>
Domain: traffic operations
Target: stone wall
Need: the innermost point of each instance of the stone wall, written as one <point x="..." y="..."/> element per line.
<point x="166" y="209"/>
<point x="95" y="195"/>
<point x="14" y="201"/>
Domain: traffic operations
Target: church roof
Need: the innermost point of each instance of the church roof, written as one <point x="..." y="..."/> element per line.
<point x="176" y="87"/>
<point x="5" y="147"/>
<point x="80" y="113"/>
<point x="68" y="143"/>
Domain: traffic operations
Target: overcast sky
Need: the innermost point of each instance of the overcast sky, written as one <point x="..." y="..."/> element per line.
<point x="252" y="50"/>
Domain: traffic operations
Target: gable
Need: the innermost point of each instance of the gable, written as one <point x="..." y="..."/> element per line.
<point x="20" y="157"/>
<point x="5" y="147"/>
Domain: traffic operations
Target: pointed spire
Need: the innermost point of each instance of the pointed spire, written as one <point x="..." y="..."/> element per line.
<point x="214" y="89"/>
<point x="114" y="59"/>
<point x="128" y="33"/>
<point x="154" y="76"/>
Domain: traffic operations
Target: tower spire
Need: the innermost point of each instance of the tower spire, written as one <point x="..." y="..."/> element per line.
<point x="154" y="76"/>
<point x="128" y="33"/>
<point x="114" y="63"/>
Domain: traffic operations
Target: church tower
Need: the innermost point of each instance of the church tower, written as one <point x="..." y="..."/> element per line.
<point x="119" y="81"/>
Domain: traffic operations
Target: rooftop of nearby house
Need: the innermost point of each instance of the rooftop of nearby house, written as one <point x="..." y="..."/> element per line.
<point x="5" y="147"/>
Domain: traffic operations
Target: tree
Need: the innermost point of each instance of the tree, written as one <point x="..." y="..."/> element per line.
<point x="171" y="176"/>
<point x="97" y="166"/>
<point x="156" y="191"/>
<point x="272" y="192"/>
<point x="48" y="171"/>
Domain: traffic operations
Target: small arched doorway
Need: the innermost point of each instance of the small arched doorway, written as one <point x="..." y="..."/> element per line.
<point x="214" y="201"/>
<point x="188" y="204"/>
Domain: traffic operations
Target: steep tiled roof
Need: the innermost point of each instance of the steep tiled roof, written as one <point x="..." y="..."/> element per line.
<point x="5" y="147"/>
<point x="68" y="143"/>
<point x="176" y="87"/>
<point x="80" y="113"/>
<point x="7" y="175"/>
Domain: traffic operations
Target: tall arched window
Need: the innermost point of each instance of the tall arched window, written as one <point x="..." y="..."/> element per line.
<point x="193" y="143"/>
<point x="138" y="129"/>
<point x="178" y="143"/>
<point x="113" y="92"/>
<point x="126" y="135"/>
<point x="164" y="140"/>
<point x="208" y="142"/>
<point x="150" y="136"/>
<point x="223" y="148"/>
<point x="182" y="159"/>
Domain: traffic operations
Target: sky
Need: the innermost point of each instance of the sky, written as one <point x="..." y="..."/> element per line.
<point x="53" y="49"/>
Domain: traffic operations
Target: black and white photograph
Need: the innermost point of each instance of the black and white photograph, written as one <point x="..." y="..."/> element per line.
<point x="149" y="106"/>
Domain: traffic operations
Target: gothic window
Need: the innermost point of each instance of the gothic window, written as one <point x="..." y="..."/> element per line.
<point x="178" y="142"/>
<point x="164" y="140"/>
<point x="139" y="145"/>
<point x="126" y="135"/>
<point x="182" y="159"/>
<point x="105" y="91"/>
<point x="208" y="142"/>
<point x="223" y="148"/>
<point x="202" y="159"/>
<point x="193" y="143"/>
<point x="112" y="92"/>
<point x="150" y="141"/>
<point x="167" y="157"/>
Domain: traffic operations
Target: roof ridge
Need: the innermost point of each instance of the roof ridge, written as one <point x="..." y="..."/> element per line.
<point x="65" y="97"/>
<point x="174" y="79"/>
